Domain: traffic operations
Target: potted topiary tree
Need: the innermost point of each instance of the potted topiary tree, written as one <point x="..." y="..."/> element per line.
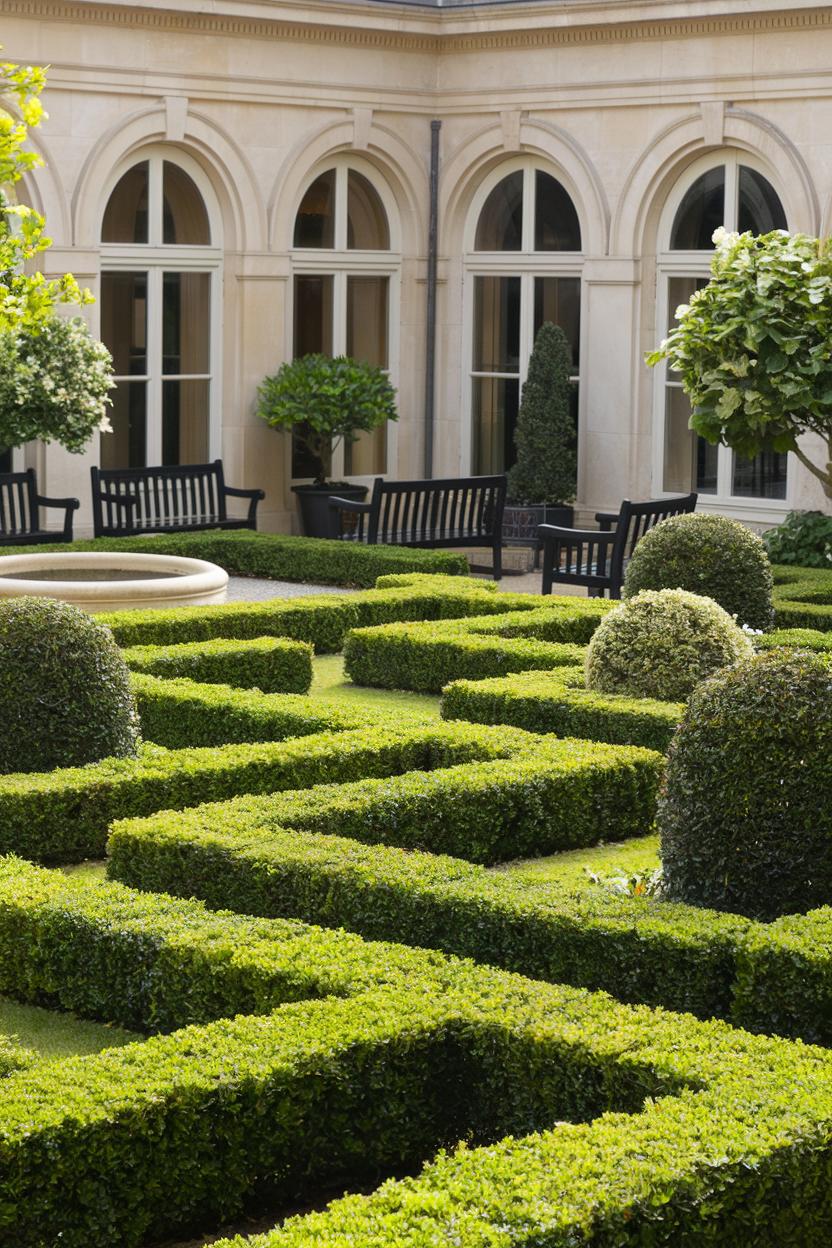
<point x="322" y="400"/>
<point x="542" y="483"/>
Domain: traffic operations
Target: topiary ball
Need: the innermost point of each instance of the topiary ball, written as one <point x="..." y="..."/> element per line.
<point x="661" y="644"/>
<point x="709" y="555"/>
<point x="65" y="695"/>
<point x="745" y="813"/>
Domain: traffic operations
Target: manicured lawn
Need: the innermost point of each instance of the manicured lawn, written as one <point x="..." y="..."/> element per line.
<point x="623" y="859"/>
<point x="330" y="685"/>
<point x="54" y="1033"/>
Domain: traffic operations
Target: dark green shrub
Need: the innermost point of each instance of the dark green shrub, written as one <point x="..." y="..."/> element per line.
<point x="708" y="555"/>
<point x="804" y="538"/>
<point x="65" y="694"/>
<point x="545" y="437"/>
<point x="746" y="809"/>
<point x="272" y="664"/>
<point x="661" y="644"/>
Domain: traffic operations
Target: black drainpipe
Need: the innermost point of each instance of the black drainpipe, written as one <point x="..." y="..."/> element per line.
<point x="430" y="344"/>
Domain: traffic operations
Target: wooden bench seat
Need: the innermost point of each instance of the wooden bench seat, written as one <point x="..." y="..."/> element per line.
<point x="434" y="514"/>
<point x="20" y="506"/>
<point x="173" y="499"/>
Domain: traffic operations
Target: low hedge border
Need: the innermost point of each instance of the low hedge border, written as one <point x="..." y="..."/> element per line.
<point x="795" y="639"/>
<point x="323" y="620"/>
<point x="547" y="795"/>
<point x="64" y="815"/>
<point x="557" y="702"/>
<point x="714" y="1132"/>
<point x="279" y="557"/>
<point x="803" y="598"/>
<point x="272" y="664"/>
<point x="424" y="657"/>
<point x="773" y="977"/>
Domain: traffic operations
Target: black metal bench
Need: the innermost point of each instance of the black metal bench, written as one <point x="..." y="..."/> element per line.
<point x="454" y="511"/>
<point x="597" y="558"/>
<point x="20" y="506"/>
<point x="129" y="501"/>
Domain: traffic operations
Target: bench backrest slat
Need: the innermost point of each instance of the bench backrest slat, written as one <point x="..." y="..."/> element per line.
<point x="18" y="502"/>
<point x="436" y="510"/>
<point x="170" y="496"/>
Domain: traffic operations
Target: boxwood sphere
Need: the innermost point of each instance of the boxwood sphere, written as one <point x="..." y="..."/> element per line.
<point x="745" y="813"/>
<point x="661" y="644"/>
<point x="65" y="694"/>
<point x="709" y="555"/>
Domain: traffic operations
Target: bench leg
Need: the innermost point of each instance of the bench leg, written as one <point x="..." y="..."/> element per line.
<point x="497" y="561"/>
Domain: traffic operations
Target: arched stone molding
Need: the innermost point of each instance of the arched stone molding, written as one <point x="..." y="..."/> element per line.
<point x="404" y="174"/>
<point x="635" y="220"/>
<point x="475" y="157"/>
<point x="43" y="190"/>
<point x="218" y="155"/>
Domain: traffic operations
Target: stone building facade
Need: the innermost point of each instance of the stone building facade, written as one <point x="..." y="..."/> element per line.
<point x="245" y="180"/>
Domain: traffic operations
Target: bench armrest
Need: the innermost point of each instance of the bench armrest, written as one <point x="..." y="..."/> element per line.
<point x="553" y="532"/>
<point x="349" y="504"/>
<point x="254" y="497"/>
<point x="69" y="505"/>
<point x="606" y="519"/>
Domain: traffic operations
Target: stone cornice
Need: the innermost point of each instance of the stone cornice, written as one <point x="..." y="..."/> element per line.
<point x="538" y="24"/>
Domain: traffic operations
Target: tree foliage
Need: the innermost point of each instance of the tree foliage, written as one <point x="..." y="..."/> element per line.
<point x="27" y="299"/>
<point x="546" y="470"/>
<point x="753" y="346"/>
<point x="325" y="399"/>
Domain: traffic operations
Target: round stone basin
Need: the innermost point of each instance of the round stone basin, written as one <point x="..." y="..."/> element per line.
<point x="111" y="581"/>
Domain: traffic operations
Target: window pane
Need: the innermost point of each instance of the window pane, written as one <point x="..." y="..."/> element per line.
<point x="556" y="225"/>
<point x="764" y="476"/>
<point x="495" y="402"/>
<point x="690" y="463"/>
<point x="760" y="209"/>
<point x="185" y="422"/>
<point x="558" y="300"/>
<point x="367" y="319"/>
<point x="124" y="321"/>
<point x="313" y="315"/>
<point x="125" y="447"/>
<point x="500" y="227"/>
<point x="367" y="228"/>
<point x="312" y="336"/>
<point x="496" y="324"/>
<point x="125" y="217"/>
<point x="367" y="455"/>
<point x="315" y="222"/>
<point x="700" y="213"/>
<point x="186" y="323"/>
<point x="185" y="217"/>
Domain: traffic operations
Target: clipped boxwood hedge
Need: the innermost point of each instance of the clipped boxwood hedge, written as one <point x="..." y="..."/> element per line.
<point x="713" y="1129"/>
<point x="279" y="557"/>
<point x="558" y="702"/>
<point x="63" y="815"/>
<point x="803" y="598"/>
<point x="273" y="664"/>
<point x="547" y="795"/>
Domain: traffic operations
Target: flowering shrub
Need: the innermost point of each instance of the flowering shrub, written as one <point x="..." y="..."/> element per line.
<point x="54" y="384"/>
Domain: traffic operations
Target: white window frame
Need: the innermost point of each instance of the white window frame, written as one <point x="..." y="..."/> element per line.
<point x="696" y="264"/>
<point x="527" y="264"/>
<point x="156" y="258"/>
<point x="340" y="263"/>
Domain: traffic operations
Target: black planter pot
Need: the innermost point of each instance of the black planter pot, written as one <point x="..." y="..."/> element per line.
<point x="317" y="518"/>
<point x="520" y="521"/>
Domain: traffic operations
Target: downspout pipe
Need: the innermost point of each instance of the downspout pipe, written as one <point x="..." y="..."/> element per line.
<point x="430" y="328"/>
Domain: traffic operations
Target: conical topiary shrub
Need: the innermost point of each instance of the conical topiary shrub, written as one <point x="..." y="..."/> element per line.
<point x="546" y="470"/>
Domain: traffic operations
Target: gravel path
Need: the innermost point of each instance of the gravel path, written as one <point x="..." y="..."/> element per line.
<point x="257" y="589"/>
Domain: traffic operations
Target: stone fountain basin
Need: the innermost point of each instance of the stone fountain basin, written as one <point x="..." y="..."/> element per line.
<point x="113" y="581"/>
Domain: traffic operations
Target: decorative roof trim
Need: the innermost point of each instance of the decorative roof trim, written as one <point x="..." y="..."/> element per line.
<point x="430" y="35"/>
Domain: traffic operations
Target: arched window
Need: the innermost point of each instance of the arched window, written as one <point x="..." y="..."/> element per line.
<point x="160" y="278"/>
<point x="344" y="286"/>
<point x="724" y="190"/>
<point x="524" y="263"/>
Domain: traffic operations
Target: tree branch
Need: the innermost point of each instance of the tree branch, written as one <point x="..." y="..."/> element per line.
<point x="825" y="478"/>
